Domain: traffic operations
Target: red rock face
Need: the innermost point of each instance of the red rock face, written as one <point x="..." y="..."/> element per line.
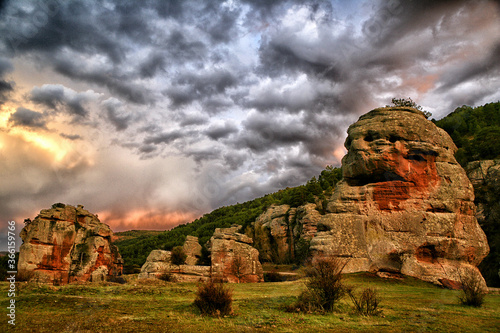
<point x="418" y="175"/>
<point x="404" y="204"/>
<point x="66" y="244"/>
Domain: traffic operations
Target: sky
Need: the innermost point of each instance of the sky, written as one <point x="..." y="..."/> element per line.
<point x="152" y="113"/>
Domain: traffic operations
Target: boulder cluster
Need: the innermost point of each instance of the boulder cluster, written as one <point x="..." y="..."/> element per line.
<point x="233" y="259"/>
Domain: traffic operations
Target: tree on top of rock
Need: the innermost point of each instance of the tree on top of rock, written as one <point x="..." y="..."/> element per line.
<point x="408" y="102"/>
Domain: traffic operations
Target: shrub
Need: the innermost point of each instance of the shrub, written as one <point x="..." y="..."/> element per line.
<point x="117" y="279"/>
<point x="365" y="303"/>
<point x="272" y="276"/>
<point x="214" y="299"/>
<point x="167" y="277"/>
<point x="178" y="256"/>
<point x="472" y="289"/>
<point x="324" y="286"/>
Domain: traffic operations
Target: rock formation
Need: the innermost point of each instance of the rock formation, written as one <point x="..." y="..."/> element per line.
<point x="233" y="257"/>
<point x="233" y="260"/>
<point x="159" y="263"/>
<point x="485" y="177"/>
<point x="404" y="205"/>
<point x="192" y="249"/>
<point x="279" y="228"/>
<point x="65" y="244"/>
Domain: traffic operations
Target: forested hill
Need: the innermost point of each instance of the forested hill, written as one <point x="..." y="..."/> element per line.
<point x="475" y="131"/>
<point x="135" y="246"/>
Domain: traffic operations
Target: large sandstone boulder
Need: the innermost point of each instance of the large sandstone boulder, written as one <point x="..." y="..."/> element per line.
<point x="404" y="204"/>
<point x="234" y="259"/>
<point x="65" y="244"/>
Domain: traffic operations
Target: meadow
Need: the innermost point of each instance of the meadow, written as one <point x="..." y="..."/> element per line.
<point x="409" y="305"/>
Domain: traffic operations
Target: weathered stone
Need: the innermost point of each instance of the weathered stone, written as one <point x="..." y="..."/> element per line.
<point x="192" y="249"/>
<point x="272" y="233"/>
<point x="233" y="258"/>
<point x="450" y="284"/>
<point x="404" y="204"/>
<point x="485" y="176"/>
<point x="277" y="230"/>
<point x="65" y="244"/>
<point x="159" y="263"/>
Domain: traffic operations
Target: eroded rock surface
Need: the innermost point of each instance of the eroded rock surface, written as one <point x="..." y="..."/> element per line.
<point x="234" y="259"/>
<point x="159" y="263"/>
<point x="192" y="249"/>
<point x="65" y="244"/>
<point x="405" y="204"/>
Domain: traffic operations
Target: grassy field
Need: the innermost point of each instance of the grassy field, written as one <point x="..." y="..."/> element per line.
<point x="157" y="306"/>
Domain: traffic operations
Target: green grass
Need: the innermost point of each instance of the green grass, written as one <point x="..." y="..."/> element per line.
<point x="138" y="306"/>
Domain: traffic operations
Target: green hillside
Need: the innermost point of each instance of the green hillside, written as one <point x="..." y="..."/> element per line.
<point x="475" y="131"/>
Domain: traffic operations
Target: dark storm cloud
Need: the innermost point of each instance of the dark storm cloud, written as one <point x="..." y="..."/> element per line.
<point x="184" y="48"/>
<point x="489" y="66"/>
<point x="193" y="119"/>
<point x="120" y="121"/>
<point x="57" y="24"/>
<point x="217" y="132"/>
<point x="203" y="87"/>
<point x="28" y="118"/>
<point x="163" y="138"/>
<point x="115" y="81"/>
<point x="396" y="19"/>
<point x="71" y="137"/>
<point x="53" y="28"/>
<point x="220" y="24"/>
<point x="154" y="63"/>
<point x="57" y="97"/>
<point x="5" y="87"/>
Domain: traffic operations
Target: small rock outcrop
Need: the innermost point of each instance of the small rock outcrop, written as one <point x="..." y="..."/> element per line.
<point x="234" y="259"/>
<point x="159" y="263"/>
<point x="65" y="244"/>
<point x="192" y="249"/>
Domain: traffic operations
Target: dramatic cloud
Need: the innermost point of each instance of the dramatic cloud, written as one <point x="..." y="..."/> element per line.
<point x="154" y="112"/>
<point x="56" y="96"/>
<point x="5" y="87"/>
<point x="28" y="118"/>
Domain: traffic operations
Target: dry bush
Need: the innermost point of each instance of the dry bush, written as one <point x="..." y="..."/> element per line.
<point x="214" y="299"/>
<point x="366" y="303"/>
<point x="167" y="277"/>
<point x="273" y="276"/>
<point x="472" y="289"/>
<point x="178" y="256"/>
<point x="324" y="286"/>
